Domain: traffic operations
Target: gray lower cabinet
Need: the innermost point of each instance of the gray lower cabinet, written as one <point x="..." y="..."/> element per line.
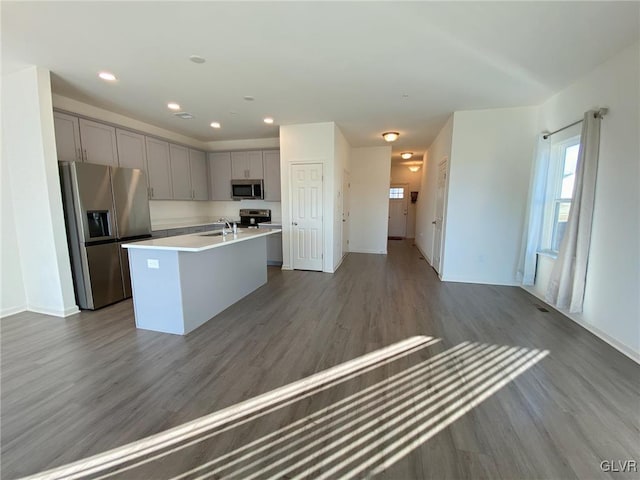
<point x="158" y="169"/>
<point x="271" y="163"/>
<point x="98" y="143"/>
<point x="180" y="172"/>
<point x="199" y="176"/>
<point x="132" y="150"/>
<point x="219" y="176"/>
<point x="67" y="132"/>
<point x="274" y="249"/>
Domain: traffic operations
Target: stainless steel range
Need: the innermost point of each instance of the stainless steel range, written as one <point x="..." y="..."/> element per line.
<point x="250" y="218"/>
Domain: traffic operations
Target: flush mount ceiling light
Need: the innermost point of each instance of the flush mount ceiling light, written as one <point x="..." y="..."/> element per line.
<point x="109" y="77"/>
<point x="390" y="136"/>
<point x="249" y="98"/>
<point x="414" y="168"/>
<point x="184" y="115"/>
<point x="407" y="156"/>
<point x="173" y="106"/>
<point x="215" y="125"/>
<point x="197" y="59"/>
<point x="268" y="120"/>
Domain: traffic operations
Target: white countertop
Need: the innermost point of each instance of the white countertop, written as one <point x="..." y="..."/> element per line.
<point x="197" y="242"/>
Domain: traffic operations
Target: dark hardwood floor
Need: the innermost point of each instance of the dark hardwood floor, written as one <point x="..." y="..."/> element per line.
<point x="502" y="390"/>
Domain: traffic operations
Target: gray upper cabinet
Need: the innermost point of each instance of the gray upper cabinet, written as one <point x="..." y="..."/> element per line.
<point x="98" y="143"/>
<point x="180" y="172"/>
<point x="199" y="177"/>
<point x="132" y="151"/>
<point x="67" y="131"/>
<point x="247" y="165"/>
<point x="220" y="176"/>
<point x="158" y="169"/>
<point x="271" y="162"/>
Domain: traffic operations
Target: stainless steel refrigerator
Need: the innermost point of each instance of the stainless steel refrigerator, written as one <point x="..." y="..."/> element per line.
<point x="104" y="207"/>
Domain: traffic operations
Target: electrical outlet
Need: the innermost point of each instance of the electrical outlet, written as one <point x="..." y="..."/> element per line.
<point x="153" y="263"/>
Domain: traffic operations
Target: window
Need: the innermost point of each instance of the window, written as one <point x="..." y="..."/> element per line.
<point x="560" y="181"/>
<point x="396" y="192"/>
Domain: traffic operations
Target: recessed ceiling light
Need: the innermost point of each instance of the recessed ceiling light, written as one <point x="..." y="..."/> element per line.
<point x="109" y="77"/>
<point x="407" y="155"/>
<point x="173" y="106"/>
<point x="197" y="59"/>
<point x="268" y="120"/>
<point x="390" y="136"/>
<point x="249" y="98"/>
<point x="215" y="125"/>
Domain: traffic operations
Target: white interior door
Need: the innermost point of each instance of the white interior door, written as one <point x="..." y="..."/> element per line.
<point x="398" y="207"/>
<point x="306" y="216"/>
<point x="346" y="185"/>
<point x="437" y="231"/>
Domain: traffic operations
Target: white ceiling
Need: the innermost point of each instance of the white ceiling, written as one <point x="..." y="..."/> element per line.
<point x="313" y="62"/>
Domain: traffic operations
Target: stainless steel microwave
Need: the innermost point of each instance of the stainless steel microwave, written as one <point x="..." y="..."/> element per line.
<point x="246" y="189"/>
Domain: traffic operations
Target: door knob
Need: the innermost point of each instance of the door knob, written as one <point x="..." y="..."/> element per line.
<point x="295" y="223"/>
<point x="434" y="222"/>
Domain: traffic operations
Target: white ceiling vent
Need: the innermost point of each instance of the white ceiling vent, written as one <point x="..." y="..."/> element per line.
<point x="184" y="115"/>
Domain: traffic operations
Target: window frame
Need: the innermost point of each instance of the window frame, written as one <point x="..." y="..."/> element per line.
<point x="553" y="198"/>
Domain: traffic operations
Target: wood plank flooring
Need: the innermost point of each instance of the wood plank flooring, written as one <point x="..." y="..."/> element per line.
<point x="503" y="391"/>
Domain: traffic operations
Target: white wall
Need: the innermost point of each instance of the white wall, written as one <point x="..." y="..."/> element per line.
<point x="611" y="305"/>
<point x="342" y="163"/>
<point x="28" y="149"/>
<point x="426" y="205"/>
<point x="246" y="144"/>
<point x="402" y="174"/>
<point x="12" y="295"/>
<point x="489" y="170"/>
<point x="369" y="199"/>
<point x="308" y="143"/>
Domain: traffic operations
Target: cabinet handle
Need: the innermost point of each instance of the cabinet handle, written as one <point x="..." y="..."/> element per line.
<point x="86" y="157"/>
<point x="152" y="192"/>
<point x="79" y="157"/>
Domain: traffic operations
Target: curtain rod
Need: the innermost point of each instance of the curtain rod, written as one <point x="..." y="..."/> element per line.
<point x="600" y="113"/>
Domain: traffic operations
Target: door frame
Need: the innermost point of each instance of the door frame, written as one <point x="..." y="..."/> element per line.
<point x="346" y="189"/>
<point x="290" y="202"/>
<point x="406" y="203"/>
<point x="438" y="268"/>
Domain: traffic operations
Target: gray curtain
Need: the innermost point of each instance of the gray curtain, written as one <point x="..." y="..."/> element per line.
<point x="535" y="215"/>
<point x="567" y="283"/>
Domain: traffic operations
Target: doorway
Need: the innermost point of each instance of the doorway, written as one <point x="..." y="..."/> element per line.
<point x="346" y="185"/>
<point x="306" y="216"/>
<point x="441" y="187"/>
<point x="398" y="208"/>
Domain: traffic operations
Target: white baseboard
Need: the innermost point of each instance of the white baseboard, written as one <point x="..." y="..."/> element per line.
<point x="367" y="250"/>
<point x="54" y="312"/>
<point x="5" y="312"/>
<point x="426" y="257"/>
<point x="621" y="347"/>
<point x="511" y="283"/>
<point x="286" y="267"/>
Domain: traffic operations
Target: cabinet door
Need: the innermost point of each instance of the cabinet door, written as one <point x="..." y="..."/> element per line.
<point x="239" y="165"/>
<point x="254" y="165"/>
<point x="67" y="131"/>
<point x="271" y="161"/>
<point x="98" y="143"/>
<point x="132" y="151"/>
<point x="158" y="169"/>
<point x="180" y="172"/>
<point x="199" y="183"/>
<point x="220" y="176"/>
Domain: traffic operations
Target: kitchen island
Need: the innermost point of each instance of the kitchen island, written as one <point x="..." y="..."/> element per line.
<point x="181" y="282"/>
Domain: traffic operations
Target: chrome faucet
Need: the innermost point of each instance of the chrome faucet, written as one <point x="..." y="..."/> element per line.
<point x="226" y="224"/>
